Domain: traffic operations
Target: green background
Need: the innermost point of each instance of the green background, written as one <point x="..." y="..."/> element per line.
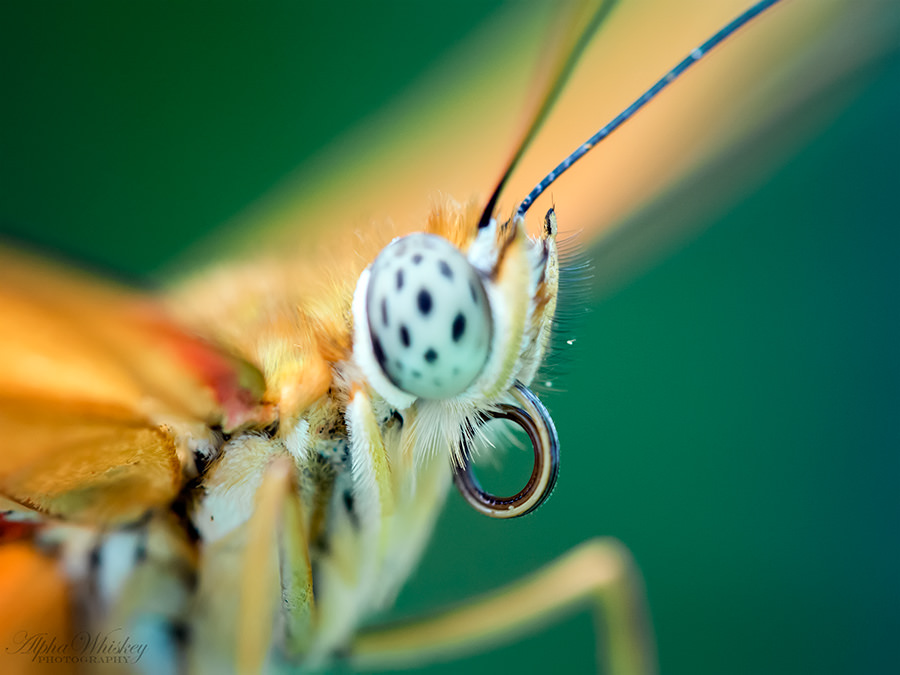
<point x="730" y="414"/>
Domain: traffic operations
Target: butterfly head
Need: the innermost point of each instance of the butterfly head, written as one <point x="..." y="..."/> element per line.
<point x="453" y="323"/>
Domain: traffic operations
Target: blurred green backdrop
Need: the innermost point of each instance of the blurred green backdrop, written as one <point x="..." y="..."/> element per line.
<point x="733" y="416"/>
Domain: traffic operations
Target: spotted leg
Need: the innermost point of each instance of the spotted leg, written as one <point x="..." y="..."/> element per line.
<point x="599" y="574"/>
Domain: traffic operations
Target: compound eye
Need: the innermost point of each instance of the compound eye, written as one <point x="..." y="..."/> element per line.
<point x="429" y="318"/>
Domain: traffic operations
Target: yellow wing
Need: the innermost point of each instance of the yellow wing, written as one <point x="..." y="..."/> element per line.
<point x="101" y="397"/>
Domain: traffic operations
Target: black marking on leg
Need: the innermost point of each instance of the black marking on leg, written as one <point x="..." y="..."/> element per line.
<point x="323" y="545"/>
<point x="95" y="558"/>
<point x="179" y="509"/>
<point x="445" y="269"/>
<point x="190" y="576"/>
<point x="431" y="356"/>
<point x="180" y="632"/>
<point x="140" y="551"/>
<point x="349" y="503"/>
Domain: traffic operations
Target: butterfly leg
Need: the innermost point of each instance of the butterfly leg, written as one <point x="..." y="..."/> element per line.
<point x="372" y="484"/>
<point x="357" y="532"/>
<point x="277" y="568"/>
<point x="148" y="606"/>
<point x="255" y="579"/>
<point x="599" y="574"/>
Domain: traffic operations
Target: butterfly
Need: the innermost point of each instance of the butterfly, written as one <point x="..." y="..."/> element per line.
<point x="333" y="205"/>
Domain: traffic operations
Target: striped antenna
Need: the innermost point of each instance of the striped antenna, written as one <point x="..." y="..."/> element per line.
<point x="581" y="22"/>
<point x="643" y="99"/>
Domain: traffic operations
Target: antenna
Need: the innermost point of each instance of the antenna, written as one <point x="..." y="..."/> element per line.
<point x="575" y="34"/>
<point x="695" y="55"/>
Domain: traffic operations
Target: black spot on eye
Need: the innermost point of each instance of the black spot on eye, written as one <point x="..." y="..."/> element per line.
<point x="379" y="352"/>
<point x="472" y="291"/>
<point x="459" y="327"/>
<point x="399" y="279"/>
<point x="445" y="269"/>
<point x="384" y="316"/>
<point x="417" y="258"/>
<point x="424" y="301"/>
<point x="431" y="356"/>
<point x="404" y="336"/>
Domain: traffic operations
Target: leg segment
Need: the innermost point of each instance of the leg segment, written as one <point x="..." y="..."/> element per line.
<point x="599" y="574"/>
<point x="255" y="582"/>
<point x="276" y="550"/>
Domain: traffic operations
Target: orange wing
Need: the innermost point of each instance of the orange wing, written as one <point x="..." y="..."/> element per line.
<point x="102" y="396"/>
<point x="451" y="135"/>
<point x="32" y="584"/>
